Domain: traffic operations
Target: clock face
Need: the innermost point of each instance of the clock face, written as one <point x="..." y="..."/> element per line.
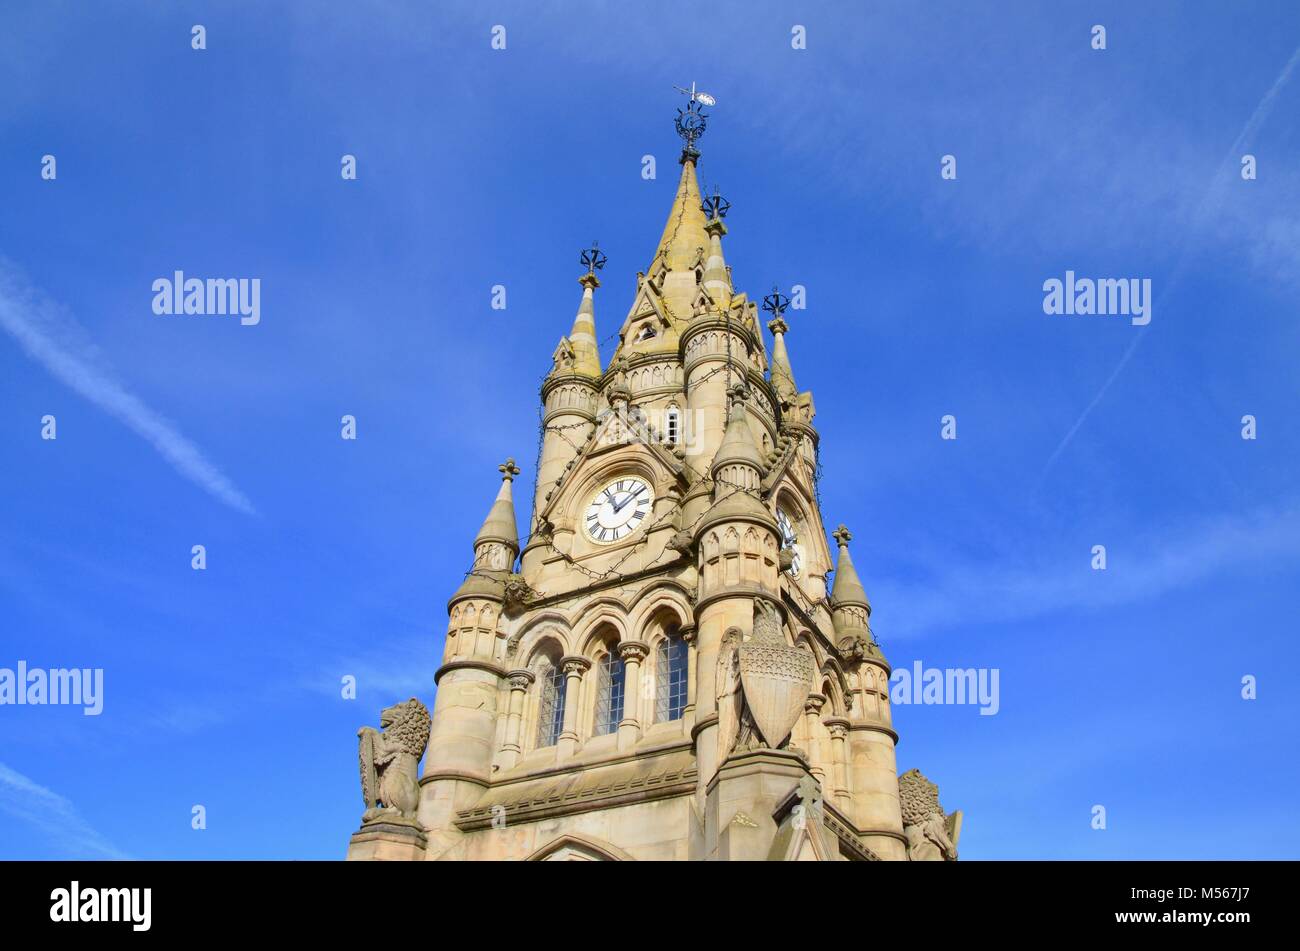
<point x="790" y="540"/>
<point x="618" y="510"/>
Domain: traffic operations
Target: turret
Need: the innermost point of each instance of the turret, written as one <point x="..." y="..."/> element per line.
<point x="459" y="762"/>
<point x="873" y="769"/>
<point x="569" y="399"/>
<point x="737" y="541"/>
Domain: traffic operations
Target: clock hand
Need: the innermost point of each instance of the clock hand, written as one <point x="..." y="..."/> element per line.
<point x="621" y="505"/>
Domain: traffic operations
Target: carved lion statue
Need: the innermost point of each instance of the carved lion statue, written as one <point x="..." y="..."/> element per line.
<point x="931" y="836"/>
<point x="389" y="783"/>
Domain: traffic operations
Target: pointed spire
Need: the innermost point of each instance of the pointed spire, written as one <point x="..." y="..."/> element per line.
<point x="580" y="352"/>
<point x="847" y="590"/>
<point x="500" y="525"/>
<point x="716" y="279"/>
<point x="738" y="447"/>
<point x="782" y="373"/>
<point x="685" y="243"/>
<point x="775" y="304"/>
<point x="582" y="338"/>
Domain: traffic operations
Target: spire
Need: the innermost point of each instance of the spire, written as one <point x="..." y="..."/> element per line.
<point x="737" y="471"/>
<point x="738" y="446"/>
<point x="678" y="265"/>
<point x="782" y="374"/>
<point x="500" y="526"/>
<point x="847" y="590"/>
<point x="716" y="279"/>
<point x="580" y="352"/>
<point x="582" y="338"/>
<point x="685" y="241"/>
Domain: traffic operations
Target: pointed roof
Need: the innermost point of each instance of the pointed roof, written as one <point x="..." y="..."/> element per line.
<point x="500" y="525"/>
<point x="716" y="279"/>
<point x="782" y="372"/>
<point x="738" y="440"/>
<point x="847" y="588"/>
<point x="685" y="242"/>
<point x="582" y="338"/>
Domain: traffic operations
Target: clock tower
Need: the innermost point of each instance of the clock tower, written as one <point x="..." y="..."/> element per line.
<point x="660" y="670"/>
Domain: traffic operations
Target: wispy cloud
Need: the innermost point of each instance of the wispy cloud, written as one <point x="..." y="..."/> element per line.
<point x="1145" y="570"/>
<point x="56" y="341"/>
<point x="1274" y="238"/>
<point x="54" y="815"/>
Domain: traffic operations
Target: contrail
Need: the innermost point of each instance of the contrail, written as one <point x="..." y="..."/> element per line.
<point x="1208" y="201"/>
<point x="58" y="343"/>
<point x="52" y="814"/>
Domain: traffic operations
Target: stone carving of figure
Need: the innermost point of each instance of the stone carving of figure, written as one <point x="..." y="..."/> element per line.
<point x="389" y="783"/>
<point x="735" y="724"/>
<point x="931" y="836"/>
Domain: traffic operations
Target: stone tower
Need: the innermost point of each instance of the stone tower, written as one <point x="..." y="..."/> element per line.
<point x="660" y="671"/>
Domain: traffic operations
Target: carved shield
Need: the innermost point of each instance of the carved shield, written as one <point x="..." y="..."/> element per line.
<point x="777" y="679"/>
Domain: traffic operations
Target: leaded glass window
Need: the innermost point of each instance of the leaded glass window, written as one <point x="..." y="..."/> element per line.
<point x="670" y="679"/>
<point x="609" y="694"/>
<point x="550" y="712"/>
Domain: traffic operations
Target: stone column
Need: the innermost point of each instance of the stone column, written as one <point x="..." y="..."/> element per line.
<point x="839" y="729"/>
<point x="687" y="633"/>
<point x="629" y="728"/>
<point x="574" y="667"/>
<point x="512" y="749"/>
<point x="812" y="709"/>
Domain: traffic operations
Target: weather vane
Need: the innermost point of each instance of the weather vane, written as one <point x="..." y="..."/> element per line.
<point x="592" y="258"/>
<point x="715" y="206"/>
<point x="775" y="303"/>
<point x="691" y="121"/>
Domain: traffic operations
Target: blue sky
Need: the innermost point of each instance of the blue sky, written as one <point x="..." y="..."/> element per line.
<point x="479" y="167"/>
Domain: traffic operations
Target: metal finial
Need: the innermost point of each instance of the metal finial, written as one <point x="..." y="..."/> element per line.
<point x="692" y="120"/>
<point x="714" y="206"/>
<point x="592" y="258"/>
<point x="775" y="303"/>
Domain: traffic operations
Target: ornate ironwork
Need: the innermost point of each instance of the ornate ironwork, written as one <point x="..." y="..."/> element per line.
<point x="592" y="258"/>
<point x="715" y="206"/>
<point x="775" y="303"/>
<point x="691" y="123"/>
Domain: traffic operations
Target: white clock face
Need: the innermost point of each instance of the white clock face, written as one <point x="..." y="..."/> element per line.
<point x="618" y="510"/>
<point x="790" y="540"/>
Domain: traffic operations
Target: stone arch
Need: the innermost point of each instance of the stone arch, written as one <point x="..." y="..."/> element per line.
<point x="592" y="617"/>
<point x="579" y="848"/>
<point x="520" y="646"/>
<point x="647" y="603"/>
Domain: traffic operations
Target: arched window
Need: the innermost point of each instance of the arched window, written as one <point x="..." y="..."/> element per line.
<point x="609" y="694"/>
<point x="646" y="333"/>
<point x="673" y="425"/>
<point x="670" y="679"/>
<point x="550" y="711"/>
